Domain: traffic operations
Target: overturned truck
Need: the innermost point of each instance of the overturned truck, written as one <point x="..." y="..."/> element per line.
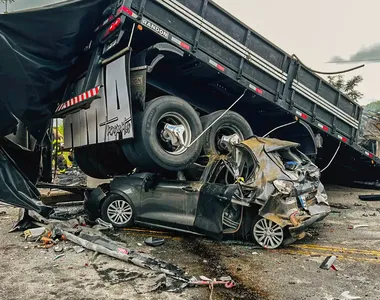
<point x="183" y="90"/>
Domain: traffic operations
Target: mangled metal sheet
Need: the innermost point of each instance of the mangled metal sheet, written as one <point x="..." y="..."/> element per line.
<point x="278" y="178"/>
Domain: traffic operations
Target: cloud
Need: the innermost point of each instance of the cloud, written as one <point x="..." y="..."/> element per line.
<point x="366" y="54"/>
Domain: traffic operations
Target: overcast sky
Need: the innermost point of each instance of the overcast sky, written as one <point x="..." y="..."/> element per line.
<point x="317" y="31"/>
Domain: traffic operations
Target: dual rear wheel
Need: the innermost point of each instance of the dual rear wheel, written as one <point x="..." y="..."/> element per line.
<point x="164" y="139"/>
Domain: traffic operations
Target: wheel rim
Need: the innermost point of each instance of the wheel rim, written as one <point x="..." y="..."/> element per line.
<point x="119" y="212"/>
<point x="168" y="143"/>
<point x="225" y="131"/>
<point x="268" y="234"/>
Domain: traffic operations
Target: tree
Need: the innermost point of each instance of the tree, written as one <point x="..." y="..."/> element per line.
<point x="348" y="87"/>
<point x="6" y="4"/>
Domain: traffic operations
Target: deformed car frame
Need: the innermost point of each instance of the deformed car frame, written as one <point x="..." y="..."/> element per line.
<point x="265" y="190"/>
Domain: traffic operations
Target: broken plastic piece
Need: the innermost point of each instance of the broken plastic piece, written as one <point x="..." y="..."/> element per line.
<point x="58" y="248"/>
<point x="328" y="262"/>
<point x="58" y="256"/>
<point x="78" y="249"/>
<point x="357" y="226"/>
<point x="154" y="242"/>
<point x="346" y="295"/>
<point x="34" y="232"/>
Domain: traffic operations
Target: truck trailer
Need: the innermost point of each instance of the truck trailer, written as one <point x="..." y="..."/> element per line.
<point x="164" y="87"/>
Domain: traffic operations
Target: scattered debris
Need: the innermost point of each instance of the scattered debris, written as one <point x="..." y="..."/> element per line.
<point x="357" y="226"/>
<point x="34" y="233"/>
<point x="102" y="225"/>
<point x="346" y="296"/>
<point x="365" y="215"/>
<point x="58" y="248"/>
<point x="154" y="242"/>
<point x="59" y="256"/>
<point x="369" y="197"/>
<point x="373" y="214"/>
<point x="78" y="249"/>
<point x="328" y="263"/>
<point x="358" y="204"/>
<point x="3" y="213"/>
<point x="340" y="206"/>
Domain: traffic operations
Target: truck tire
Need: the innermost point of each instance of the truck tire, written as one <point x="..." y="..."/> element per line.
<point x="229" y="124"/>
<point x="102" y="160"/>
<point x="152" y="150"/>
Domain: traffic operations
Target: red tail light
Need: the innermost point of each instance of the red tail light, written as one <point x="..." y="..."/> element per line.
<point x="126" y="10"/>
<point x="114" y="25"/>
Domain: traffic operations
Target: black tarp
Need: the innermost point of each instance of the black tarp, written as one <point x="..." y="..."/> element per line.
<point x="37" y="50"/>
<point x="15" y="188"/>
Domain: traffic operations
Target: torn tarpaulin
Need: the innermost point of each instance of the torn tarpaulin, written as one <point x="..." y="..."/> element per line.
<point x="16" y="189"/>
<point x="37" y="48"/>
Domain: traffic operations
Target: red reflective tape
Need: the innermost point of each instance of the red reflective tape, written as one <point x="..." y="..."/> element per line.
<point x="184" y="45"/>
<point x="72" y="101"/>
<point x="302" y="115"/>
<point x="97" y="89"/>
<point x="88" y="94"/>
<point x="220" y="67"/>
<point x="369" y="154"/>
<point x="259" y="91"/>
<point x="84" y="96"/>
<point x="342" y="138"/>
<point x="323" y="127"/>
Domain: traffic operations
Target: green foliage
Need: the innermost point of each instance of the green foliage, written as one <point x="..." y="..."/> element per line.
<point x="373" y="107"/>
<point x="348" y="87"/>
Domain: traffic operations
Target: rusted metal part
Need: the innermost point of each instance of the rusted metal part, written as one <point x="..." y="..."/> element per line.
<point x="55" y="197"/>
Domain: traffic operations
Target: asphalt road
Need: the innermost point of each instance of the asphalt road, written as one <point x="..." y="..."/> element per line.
<point x="293" y="272"/>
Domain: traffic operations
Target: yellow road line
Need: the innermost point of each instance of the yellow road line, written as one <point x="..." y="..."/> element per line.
<point x="338" y="249"/>
<point x="339" y="256"/>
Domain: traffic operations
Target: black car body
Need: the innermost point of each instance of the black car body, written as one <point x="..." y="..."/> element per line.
<point x="265" y="190"/>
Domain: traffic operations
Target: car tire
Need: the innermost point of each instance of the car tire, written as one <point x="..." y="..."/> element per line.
<point x="103" y="161"/>
<point x="149" y="150"/>
<point x="119" y="219"/>
<point x="229" y="124"/>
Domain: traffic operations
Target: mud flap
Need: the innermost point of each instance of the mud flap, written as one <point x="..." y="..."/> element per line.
<point x="109" y="117"/>
<point x="16" y="189"/>
<point x="213" y="200"/>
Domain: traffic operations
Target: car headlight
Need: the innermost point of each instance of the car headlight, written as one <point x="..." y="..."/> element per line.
<point x="283" y="186"/>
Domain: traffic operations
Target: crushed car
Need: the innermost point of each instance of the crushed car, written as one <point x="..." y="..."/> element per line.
<point x="264" y="190"/>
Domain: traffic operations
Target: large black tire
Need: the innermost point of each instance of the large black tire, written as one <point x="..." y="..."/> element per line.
<point x="102" y="160"/>
<point x="148" y="152"/>
<point x="229" y="124"/>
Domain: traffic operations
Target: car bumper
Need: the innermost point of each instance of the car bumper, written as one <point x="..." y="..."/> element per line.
<point x="294" y="231"/>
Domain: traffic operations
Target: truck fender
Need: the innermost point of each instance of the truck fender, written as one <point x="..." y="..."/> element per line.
<point x="144" y="63"/>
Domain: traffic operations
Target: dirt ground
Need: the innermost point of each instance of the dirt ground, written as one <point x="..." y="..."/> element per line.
<point x="27" y="272"/>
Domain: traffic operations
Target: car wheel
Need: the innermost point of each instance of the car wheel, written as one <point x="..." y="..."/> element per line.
<point x="231" y="123"/>
<point x="118" y="211"/>
<point x="267" y="234"/>
<point x="153" y="147"/>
